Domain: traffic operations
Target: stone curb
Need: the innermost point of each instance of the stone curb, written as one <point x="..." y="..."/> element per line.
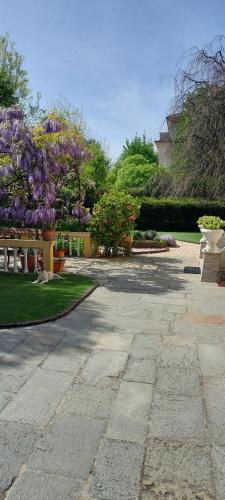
<point x="55" y="317"/>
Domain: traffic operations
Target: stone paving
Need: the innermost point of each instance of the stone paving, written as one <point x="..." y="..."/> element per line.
<point x="124" y="398"/>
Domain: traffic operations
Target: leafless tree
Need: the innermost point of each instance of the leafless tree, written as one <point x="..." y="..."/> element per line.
<point x="199" y="147"/>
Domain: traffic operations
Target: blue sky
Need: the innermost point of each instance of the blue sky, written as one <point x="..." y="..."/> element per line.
<point x="114" y="59"/>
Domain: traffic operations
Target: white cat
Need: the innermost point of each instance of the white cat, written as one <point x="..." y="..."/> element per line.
<point x="46" y="276"/>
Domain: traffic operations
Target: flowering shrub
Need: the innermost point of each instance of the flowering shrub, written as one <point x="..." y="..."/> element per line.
<point x="113" y="218"/>
<point x="36" y="164"/>
<point x="170" y="239"/>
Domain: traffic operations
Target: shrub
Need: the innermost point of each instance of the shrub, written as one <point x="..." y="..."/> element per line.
<point x="138" y="235"/>
<point x="169" y="214"/>
<point x="170" y="240"/>
<point x="211" y="222"/>
<point x="151" y="235"/>
<point x="113" y="218"/>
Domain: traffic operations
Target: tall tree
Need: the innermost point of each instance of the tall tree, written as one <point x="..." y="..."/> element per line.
<point x="134" y="172"/>
<point x="199" y="149"/>
<point x="141" y="146"/>
<point x="13" y="77"/>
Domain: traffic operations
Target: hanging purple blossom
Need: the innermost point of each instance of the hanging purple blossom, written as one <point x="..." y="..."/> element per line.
<point x="52" y="126"/>
<point x="37" y="172"/>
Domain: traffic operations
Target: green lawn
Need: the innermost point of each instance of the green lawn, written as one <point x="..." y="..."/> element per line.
<point x="189" y="237"/>
<point x="22" y="300"/>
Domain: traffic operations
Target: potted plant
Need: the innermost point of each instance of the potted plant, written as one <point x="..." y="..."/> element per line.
<point x="59" y="264"/>
<point x="30" y="260"/>
<point x="48" y="232"/>
<point x="211" y="228"/>
<point x="66" y="246"/>
<point x="59" y="249"/>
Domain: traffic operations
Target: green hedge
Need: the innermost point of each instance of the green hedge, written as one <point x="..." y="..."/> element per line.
<point x="176" y="214"/>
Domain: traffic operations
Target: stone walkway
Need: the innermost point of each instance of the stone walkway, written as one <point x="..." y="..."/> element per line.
<point x="124" y="398"/>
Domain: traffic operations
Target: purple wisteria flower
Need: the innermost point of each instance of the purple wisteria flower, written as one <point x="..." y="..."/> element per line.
<point x="52" y="126"/>
<point x="37" y="172"/>
<point x="81" y="213"/>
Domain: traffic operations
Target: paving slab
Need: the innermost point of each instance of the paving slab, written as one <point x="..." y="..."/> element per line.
<point x="146" y="346"/>
<point x="88" y="401"/>
<point x="68" y="448"/>
<point x="140" y="370"/>
<point x="29" y="352"/>
<point x="177" y="471"/>
<point x="45" y="335"/>
<point x="115" y="342"/>
<point x="13" y="376"/>
<point x="177" y="418"/>
<point x="41" y="486"/>
<point x="129" y="420"/>
<point x="195" y="329"/>
<point x="218" y="459"/>
<point x="178" y="381"/>
<point x="4" y="399"/>
<point x="117" y="471"/>
<point x="102" y="366"/>
<point x="212" y="360"/>
<point x="84" y="341"/>
<point x="17" y="441"/>
<point x="38" y="399"/>
<point x="66" y="360"/>
<point x="214" y="391"/>
<point x="183" y="356"/>
<point x="8" y="342"/>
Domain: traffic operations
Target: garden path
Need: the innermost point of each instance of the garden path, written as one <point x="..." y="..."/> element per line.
<point x="124" y="398"/>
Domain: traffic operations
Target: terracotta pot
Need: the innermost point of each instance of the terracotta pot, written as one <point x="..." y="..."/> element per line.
<point x="48" y="234"/>
<point x="59" y="253"/>
<point x="59" y="265"/>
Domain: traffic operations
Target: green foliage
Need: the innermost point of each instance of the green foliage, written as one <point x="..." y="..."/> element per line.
<point x="13" y="78"/>
<point x="211" y="222"/>
<point x="62" y="109"/>
<point x="60" y="242"/>
<point x="174" y="214"/>
<point x="70" y="224"/>
<point x="134" y="172"/>
<point x="138" y="235"/>
<point x="150" y="234"/>
<point x="113" y="218"/>
<point x="145" y="235"/>
<point x="97" y="168"/>
<point x="141" y="146"/>
<point x="160" y="182"/>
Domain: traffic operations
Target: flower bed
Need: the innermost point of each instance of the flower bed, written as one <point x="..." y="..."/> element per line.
<point x="149" y="244"/>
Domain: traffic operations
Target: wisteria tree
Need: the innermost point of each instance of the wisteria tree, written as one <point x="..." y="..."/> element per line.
<point x="35" y="164"/>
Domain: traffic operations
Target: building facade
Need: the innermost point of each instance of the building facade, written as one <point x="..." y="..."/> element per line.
<point x="164" y="144"/>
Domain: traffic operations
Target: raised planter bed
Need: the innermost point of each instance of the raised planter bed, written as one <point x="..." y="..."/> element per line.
<point x="149" y="244"/>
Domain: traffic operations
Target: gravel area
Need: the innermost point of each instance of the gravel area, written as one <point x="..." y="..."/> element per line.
<point x="185" y="250"/>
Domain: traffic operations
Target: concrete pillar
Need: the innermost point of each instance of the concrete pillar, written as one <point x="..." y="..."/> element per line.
<point x="210" y="266"/>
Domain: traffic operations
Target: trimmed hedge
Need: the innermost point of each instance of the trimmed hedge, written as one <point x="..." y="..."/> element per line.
<point x="169" y="214"/>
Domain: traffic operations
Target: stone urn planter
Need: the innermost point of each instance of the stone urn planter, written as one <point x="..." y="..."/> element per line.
<point x="202" y="240"/>
<point x="212" y="238"/>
